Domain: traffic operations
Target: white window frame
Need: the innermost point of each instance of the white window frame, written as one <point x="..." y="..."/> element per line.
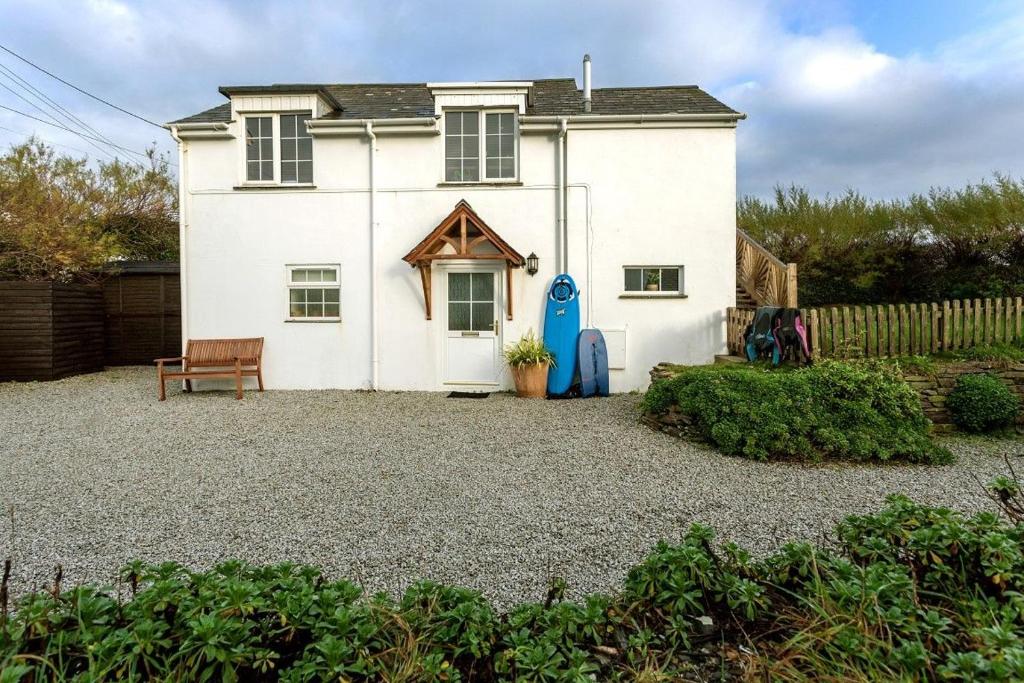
<point x="644" y="292"/>
<point x="275" y="121"/>
<point x="291" y="285"/>
<point x="482" y="152"/>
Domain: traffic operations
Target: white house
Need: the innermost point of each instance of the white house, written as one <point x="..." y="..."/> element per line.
<point x="379" y="236"/>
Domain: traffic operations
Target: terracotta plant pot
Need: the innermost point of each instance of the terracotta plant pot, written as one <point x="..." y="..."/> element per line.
<point x="652" y="288"/>
<point x="531" y="380"/>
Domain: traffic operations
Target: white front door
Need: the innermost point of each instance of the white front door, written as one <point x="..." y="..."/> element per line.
<point x="472" y="339"/>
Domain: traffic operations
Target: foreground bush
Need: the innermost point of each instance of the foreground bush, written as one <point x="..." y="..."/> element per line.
<point x="982" y="403"/>
<point x="912" y="593"/>
<point x="854" y="411"/>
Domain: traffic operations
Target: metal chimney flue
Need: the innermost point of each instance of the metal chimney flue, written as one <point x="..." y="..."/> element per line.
<point x="586" y="83"/>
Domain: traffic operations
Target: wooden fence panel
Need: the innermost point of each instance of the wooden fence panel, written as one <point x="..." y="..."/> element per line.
<point x="143" y="312"/>
<point x="889" y="330"/>
<point x="49" y="330"/>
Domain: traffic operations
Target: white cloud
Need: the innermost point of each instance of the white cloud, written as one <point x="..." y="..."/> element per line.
<point x="827" y="107"/>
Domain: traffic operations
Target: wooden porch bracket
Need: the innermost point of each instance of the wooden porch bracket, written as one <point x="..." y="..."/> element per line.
<point x="459" y="237"/>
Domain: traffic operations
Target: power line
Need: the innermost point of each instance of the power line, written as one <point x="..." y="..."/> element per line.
<point x="84" y="92"/>
<point x="49" y="142"/>
<point x="85" y="138"/>
<point x="57" y="125"/>
<point x="42" y="96"/>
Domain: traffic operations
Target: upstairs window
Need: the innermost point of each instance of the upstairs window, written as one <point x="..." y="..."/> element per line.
<point x="464" y="146"/>
<point x="296" y="149"/>
<point x="285" y="133"/>
<point x="501" y="145"/>
<point x="259" y="148"/>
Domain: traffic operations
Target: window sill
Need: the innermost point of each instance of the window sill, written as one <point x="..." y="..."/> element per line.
<point x="653" y="295"/>
<point x="275" y="186"/>
<point x="482" y="183"/>
<point x="312" y="320"/>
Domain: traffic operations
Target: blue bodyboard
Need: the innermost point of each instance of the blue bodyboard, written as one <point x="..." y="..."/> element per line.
<point x="593" y="362"/>
<point x="561" y="329"/>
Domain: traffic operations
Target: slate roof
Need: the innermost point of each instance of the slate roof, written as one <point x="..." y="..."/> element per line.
<point x="551" y="97"/>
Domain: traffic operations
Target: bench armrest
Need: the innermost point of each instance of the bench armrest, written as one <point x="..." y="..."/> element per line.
<point x="169" y="360"/>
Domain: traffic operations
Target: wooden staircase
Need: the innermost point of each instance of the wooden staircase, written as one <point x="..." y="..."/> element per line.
<point x="744" y="300"/>
<point x="761" y="278"/>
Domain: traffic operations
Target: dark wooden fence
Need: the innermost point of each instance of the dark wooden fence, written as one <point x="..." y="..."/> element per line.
<point x="49" y="330"/>
<point x="899" y="329"/>
<point x="142" y="304"/>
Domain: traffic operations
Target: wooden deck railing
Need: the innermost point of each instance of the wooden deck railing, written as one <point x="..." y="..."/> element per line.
<point x="899" y="329"/>
<point x="766" y="279"/>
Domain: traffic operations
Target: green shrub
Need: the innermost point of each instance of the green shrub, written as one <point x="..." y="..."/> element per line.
<point x="981" y="403"/>
<point x="909" y="593"/>
<point x="856" y="411"/>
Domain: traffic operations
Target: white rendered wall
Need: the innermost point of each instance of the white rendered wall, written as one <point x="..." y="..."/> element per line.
<point x="657" y="196"/>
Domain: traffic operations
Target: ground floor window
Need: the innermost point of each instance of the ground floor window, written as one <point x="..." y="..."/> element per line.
<point x="314" y="292"/>
<point x="654" y="279"/>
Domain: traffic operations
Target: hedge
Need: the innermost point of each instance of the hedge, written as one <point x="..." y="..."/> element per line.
<point x="910" y="593"/>
<point x="861" y="411"/>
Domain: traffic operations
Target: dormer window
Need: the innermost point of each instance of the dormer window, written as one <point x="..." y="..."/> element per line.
<point x="464" y="146"/>
<point x="288" y="135"/>
<point x="259" y="148"/>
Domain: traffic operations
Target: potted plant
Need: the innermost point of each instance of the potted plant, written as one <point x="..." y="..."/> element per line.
<point x="653" y="280"/>
<point x="529" y="361"/>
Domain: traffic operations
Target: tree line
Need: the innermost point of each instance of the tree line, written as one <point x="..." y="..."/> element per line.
<point x="946" y="244"/>
<point x="63" y="219"/>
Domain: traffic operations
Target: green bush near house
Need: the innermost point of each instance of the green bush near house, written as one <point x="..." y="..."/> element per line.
<point x="910" y="593"/>
<point x="861" y="411"/>
<point x="981" y="403"/>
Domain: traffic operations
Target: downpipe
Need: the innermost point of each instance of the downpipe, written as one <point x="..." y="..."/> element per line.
<point x="562" y="228"/>
<point x="374" y="336"/>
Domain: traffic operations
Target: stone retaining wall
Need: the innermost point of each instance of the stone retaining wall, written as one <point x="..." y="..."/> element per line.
<point x="932" y="389"/>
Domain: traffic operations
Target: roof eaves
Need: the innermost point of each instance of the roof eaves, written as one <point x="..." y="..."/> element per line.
<point x="281" y="89"/>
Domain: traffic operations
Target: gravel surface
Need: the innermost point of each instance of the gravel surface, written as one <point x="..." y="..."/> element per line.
<point x="496" y="494"/>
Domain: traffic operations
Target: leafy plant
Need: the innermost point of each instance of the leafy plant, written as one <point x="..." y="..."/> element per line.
<point x="909" y="593"/>
<point x="528" y="350"/>
<point x="834" y="409"/>
<point x="981" y="402"/>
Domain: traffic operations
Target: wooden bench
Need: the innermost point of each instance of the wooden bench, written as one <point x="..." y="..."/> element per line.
<point x="215" y="358"/>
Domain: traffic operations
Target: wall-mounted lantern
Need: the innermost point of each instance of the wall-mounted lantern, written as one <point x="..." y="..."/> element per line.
<point x="531" y="263"/>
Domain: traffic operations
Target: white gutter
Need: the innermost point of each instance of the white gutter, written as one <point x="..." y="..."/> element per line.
<point x="182" y="232"/>
<point x="200" y="129"/>
<point x="562" y="231"/>
<point x="631" y="118"/>
<point x="374" y="342"/>
<point x="428" y="125"/>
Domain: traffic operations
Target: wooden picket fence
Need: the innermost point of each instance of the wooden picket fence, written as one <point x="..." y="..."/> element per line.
<point x="889" y="330"/>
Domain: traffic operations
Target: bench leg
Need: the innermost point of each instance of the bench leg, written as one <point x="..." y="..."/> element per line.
<point x="188" y="386"/>
<point x="259" y="376"/>
<point x="163" y="389"/>
<point x="238" y="379"/>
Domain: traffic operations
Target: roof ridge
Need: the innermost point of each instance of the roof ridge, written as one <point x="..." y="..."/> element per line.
<point x="651" y="87"/>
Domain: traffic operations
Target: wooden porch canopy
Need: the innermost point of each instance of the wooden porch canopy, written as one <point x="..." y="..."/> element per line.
<point x="465" y="232"/>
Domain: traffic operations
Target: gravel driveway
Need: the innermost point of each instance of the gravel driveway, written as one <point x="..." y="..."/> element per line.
<point x="497" y="494"/>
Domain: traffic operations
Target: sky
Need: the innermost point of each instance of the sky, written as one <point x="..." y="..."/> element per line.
<point x="888" y="98"/>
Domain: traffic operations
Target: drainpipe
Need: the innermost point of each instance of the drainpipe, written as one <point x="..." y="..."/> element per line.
<point x="374" y="343"/>
<point x="182" y="232"/>
<point x="563" y="127"/>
